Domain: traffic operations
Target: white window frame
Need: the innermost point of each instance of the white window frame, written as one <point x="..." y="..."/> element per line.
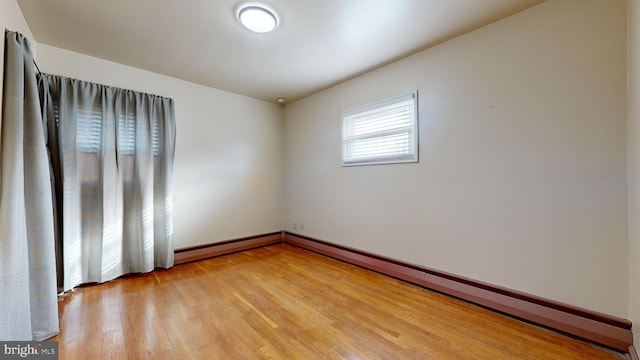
<point x="348" y="138"/>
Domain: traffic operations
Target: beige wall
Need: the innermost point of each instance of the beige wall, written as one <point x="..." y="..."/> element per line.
<point x="227" y="175"/>
<point x="522" y="173"/>
<point x="521" y="180"/>
<point x="11" y="19"/>
<point x="633" y="158"/>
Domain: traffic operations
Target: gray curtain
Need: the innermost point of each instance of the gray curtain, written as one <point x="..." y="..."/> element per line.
<point x="113" y="153"/>
<point x="28" y="306"/>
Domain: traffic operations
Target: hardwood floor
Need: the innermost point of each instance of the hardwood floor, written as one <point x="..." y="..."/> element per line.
<point x="282" y="302"/>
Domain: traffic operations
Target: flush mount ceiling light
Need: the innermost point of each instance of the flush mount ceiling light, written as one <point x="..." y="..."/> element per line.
<point x="257" y="18"/>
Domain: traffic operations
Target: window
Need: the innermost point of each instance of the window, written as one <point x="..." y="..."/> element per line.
<point x="88" y="128"/>
<point x="157" y="134"/>
<point x="382" y="132"/>
<point x="126" y="140"/>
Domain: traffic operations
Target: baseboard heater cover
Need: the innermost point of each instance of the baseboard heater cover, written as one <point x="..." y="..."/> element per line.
<point x="633" y="354"/>
<point x="201" y="252"/>
<point x="600" y="328"/>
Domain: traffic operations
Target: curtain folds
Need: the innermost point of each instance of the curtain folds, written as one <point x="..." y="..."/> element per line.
<point x="114" y="151"/>
<point x="28" y="304"/>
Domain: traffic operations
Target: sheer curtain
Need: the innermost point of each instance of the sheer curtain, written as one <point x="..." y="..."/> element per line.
<point x="113" y="153"/>
<point x="28" y="306"/>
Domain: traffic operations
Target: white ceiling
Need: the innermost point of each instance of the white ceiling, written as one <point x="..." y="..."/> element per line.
<point x="318" y="43"/>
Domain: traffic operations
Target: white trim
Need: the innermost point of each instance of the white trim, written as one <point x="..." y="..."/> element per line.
<point x="412" y="131"/>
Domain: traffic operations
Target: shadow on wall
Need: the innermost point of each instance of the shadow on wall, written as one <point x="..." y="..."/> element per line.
<point x="221" y="198"/>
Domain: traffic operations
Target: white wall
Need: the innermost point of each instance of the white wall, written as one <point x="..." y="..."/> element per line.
<point x="522" y="173"/>
<point x="228" y="165"/>
<point x="633" y="161"/>
<point x="11" y="19"/>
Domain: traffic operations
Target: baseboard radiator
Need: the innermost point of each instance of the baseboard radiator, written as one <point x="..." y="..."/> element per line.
<point x="600" y="328"/>
<point x="194" y="253"/>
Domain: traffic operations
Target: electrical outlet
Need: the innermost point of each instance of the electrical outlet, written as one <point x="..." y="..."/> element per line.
<point x="301" y="226"/>
<point x="295" y="226"/>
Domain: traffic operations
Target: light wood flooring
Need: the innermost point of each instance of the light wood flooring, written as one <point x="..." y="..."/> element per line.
<point x="282" y="302"/>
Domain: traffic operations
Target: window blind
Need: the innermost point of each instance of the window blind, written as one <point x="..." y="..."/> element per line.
<point x="89" y="129"/>
<point x="126" y="139"/>
<point x="156" y="135"/>
<point x="381" y="132"/>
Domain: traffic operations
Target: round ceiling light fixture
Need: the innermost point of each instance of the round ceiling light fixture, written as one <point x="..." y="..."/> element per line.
<point x="257" y="18"/>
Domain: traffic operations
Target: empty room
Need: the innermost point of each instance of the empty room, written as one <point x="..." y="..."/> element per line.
<point x="339" y="179"/>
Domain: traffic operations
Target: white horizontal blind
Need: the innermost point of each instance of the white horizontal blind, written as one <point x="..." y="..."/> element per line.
<point x="156" y="134"/>
<point x="381" y="132"/>
<point x="126" y="132"/>
<point x="89" y="129"/>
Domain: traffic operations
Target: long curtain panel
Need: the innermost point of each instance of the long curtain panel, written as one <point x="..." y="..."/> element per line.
<point x="113" y="153"/>
<point x="28" y="306"/>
